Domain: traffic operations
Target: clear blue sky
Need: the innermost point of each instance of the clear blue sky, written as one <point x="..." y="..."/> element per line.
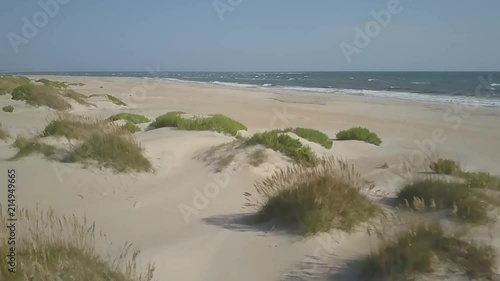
<point x="258" y="35"/>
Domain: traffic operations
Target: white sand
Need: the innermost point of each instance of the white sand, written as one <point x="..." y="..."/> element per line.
<point x="212" y="244"/>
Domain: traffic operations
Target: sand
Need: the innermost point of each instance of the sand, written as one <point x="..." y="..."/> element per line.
<point x="209" y="241"/>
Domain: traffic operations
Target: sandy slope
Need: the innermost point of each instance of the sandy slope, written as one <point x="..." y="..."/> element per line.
<point x="212" y="242"/>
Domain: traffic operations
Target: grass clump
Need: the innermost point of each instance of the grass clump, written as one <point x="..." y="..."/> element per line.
<point x="110" y="149"/>
<point x="257" y="157"/>
<point x="129" y="117"/>
<point x="313" y="135"/>
<point x="27" y="146"/>
<point x="421" y="249"/>
<point x="217" y="123"/>
<point x="463" y="201"/>
<point x="361" y="134"/>
<point x="55" y="84"/>
<point x="72" y="127"/>
<point x="131" y="127"/>
<point x="285" y="144"/>
<point x="111" y="98"/>
<point x="445" y="166"/>
<point x="315" y="199"/>
<point x="51" y="247"/>
<point x="3" y="133"/>
<point x="8" y="108"/>
<point x="8" y="83"/>
<point x="78" y="97"/>
<point x="37" y="95"/>
<point x="481" y="180"/>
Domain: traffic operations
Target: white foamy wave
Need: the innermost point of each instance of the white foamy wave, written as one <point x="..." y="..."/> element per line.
<point x="421" y="83"/>
<point x="234" y="84"/>
<point x="267" y="85"/>
<point x="371" y="80"/>
<point x="494" y="84"/>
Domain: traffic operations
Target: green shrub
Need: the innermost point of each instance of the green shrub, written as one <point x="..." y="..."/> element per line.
<point x="51" y="247"/>
<point x="79" y="98"/>
<point x="72" y="127"/>
<point x="285" y="144"/>
<point x="131" y="127"/>
<point x="458" y="197"/>
<point x="8" y="108"/>
<point x="313" y="135"/>
<point x="130" y="117"/>
<point x="316" y="199"/>
<point x="8" y="83"/>
<point x="55" y="84"/>
<point x="111" y="98"/>
<point x="217" y="123"/>
<point x="420" y="249"/>
<point x="361" y="134"/>
<point x="481" y="180"/>
<point x="37" y="95"/>
<point x="445" y="166"/>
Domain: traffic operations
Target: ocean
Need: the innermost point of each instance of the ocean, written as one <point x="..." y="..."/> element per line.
<point x="458" y="87"/>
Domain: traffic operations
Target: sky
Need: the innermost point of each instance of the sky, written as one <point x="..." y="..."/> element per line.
<point x="249" y="35"/>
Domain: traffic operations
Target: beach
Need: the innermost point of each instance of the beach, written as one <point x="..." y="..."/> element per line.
<point x="192" y="232"/>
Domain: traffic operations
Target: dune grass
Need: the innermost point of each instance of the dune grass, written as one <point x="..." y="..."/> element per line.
<point x="72" y="127"/>
<point x="8" y="108"/>
<point x="473" y="179"/>
<point x="257" y="158"/>
<point x="27" y="146"/>
<point x="313" y="200"/>
<point x="465" y="203"/>
<point x="129" y="117"/>
<point x="217" y="123"/>
<point x="313" y="136"/>
<point x="78" y="97"/>
<point x="131" y="127"/>
<point x="361" y="134"/>
<point x="55" y="84"/>
<point x="111" y="98"/>
<point x="4" y="135"/>
<point x="51" y="247"/>
<point x="37" y="95"/>
<point x="278" y="141"/>
<point x="8" y="83"/>
<point x="421" y="249"/>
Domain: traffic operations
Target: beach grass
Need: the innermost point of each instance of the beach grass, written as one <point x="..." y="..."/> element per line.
<point x="52" y="247"/>
<point x="420" y="249"/>
<point x="313" y="136"/>
<point x="464" y="202"/>
<point x="313" y="200"/>
<point x="4" y="135"/>
<point x="129" y="117"/>
<point x="217" y="123"/>
<point x="78" y="97"/>
<point x="27" y="146"/>
<point x="473" y="179"/>
<point x="131" y="127"/>
<point x="111" y="98"/>
<point x="54" y="84"/>
<point x="73" y="127"/>
<point x="283" y="143"/>
<point x="361" y="134"/>
<point x="38" y="95"/>
<point x="8" y="108"/>
<point x="445" y="167"/>
<point x="8" y="83"/>
<point x="258" y="157"/>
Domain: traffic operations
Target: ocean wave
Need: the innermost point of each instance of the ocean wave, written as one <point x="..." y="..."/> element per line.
<point x="267" y="85"/>
<point x="421" y="83"/>
<point x="494" y="84"/>
<point x="233" y="84"/>
<point x="371" y="80"/>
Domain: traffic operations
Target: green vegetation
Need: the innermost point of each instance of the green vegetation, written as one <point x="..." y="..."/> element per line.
<point x="361" y="134"/>
<point x="76" y="84"/>
<point x="257" y="157"/>
<point x="37" y="95"/>
<point x="465" y="203"/>
<point x="313" y="136"/>
<point x="8" y="83"/>
<point x="315" y="199"/>
<point x="445" y="166"/>
<point x="285" y="144"/>
<point x="27" y="146"/>
<point x="8" y="108"/>
<point x="79" y="98"/>
<point x="418" y="250"/>
<point x="217" y="123"/>
<point x="54" y="84"/>
<point x="72" y="127"/>
<point x="130" y="117"/>
<point x="131" y="127"/>
<point x="3" y="133"/>
<point x="111" y="98"/>
<point x="51" y="247"/>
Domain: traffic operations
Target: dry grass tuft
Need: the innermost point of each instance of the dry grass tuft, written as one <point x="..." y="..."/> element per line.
<point x="78" y="97"/>
<point x="29" y="145"/>
<point x="38" y="95"/>
<point x="258" y="157"/>
<point x="51" y="247"/>
<point x="8" y="83"/>
<point x="315" y="199"/>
